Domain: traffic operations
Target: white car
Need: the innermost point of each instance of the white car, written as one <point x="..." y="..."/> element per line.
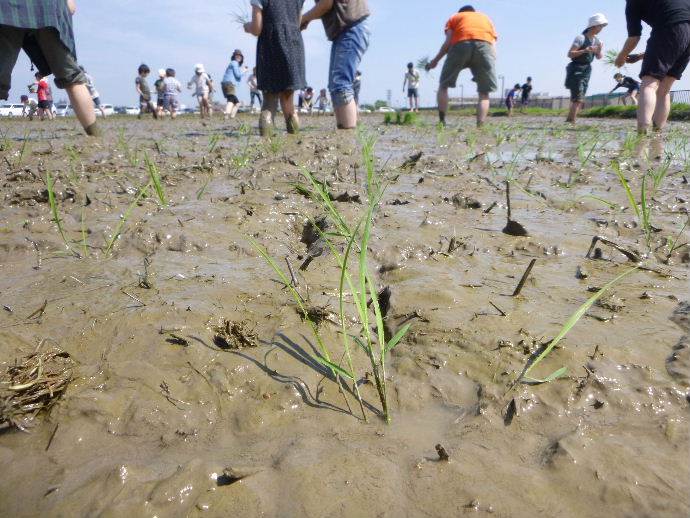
<point x="63" y="110"/>
<point x="11" y="110"/>
<point x="131" y="110"/>
<point x="386" y="109"/>
<point x="107" y="108"/>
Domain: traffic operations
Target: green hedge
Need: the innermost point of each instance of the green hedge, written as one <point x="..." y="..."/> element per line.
<point x="679" y="111"/>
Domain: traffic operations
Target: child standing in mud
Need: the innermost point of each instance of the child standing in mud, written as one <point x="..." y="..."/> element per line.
<point x="45" y="97"/>
<point x="582" y="53"/>
<point x="142" y="87"/>
<point x="322" y="102"/>
<point x="279" y="59"/>
<point x="159" y="85"/>
<point x="231" y="81"/>
<point x="44" y="30"/>
<point x="203" y="86"/>
<point x="172" y="90"/>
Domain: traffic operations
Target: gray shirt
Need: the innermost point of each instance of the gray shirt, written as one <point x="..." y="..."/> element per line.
<point x="344" y="14"/>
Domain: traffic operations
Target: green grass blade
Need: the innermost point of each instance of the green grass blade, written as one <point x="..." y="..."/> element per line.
<point x="398" y="336"/>
<point x="628" y="192"/>
<point x="123" y="220"/>
<point x="155" y="179"/>
<point x="574" y="319"/>
<point x="334" y="367"/>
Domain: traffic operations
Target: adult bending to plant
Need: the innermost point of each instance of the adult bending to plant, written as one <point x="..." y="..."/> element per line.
<point x="470" y="43"/>
<point x="665" y="58"/>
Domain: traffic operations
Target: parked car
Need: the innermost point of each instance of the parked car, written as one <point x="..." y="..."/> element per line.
<point x="63" y="110"/>
<point x="11" y="110"/>
<point x="132" y="110"/>
<point x="386" y="109"/>
<point x="107" y="108"/>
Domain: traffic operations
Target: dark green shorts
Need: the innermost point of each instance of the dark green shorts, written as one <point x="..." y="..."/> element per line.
<point x="46" y="50"/>
<point x="479" y="57"/>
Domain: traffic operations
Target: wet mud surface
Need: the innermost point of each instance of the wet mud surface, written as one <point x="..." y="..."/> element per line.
<point x="193" y="392"/>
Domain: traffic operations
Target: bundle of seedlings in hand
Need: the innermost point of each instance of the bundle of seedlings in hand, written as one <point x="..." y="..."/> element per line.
<point x="240" y="14"/>
<point x="356" y="281"/>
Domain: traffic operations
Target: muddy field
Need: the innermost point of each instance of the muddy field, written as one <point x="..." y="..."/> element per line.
<point x="161" y="416"/>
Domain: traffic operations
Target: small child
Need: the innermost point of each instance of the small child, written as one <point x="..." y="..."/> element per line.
<point x="322" y="102"/>
<point x="142" y="86"/>
<point x="411" y="80"/>
<point x="526" y="92"/>
<point x="203" y="86"/>
<point x="45" y="97"/>
<point x="279" y="58"/>
<point x="30" y="107"/>
<point x="308" y="100"/>
<point x="159" y="85"/>
<point x="254" y="92"/>
<point x="510" y="99"/>
<point x="95" y="96"/>
<point x="172" y="89"/>
<point x="629" y="83"/>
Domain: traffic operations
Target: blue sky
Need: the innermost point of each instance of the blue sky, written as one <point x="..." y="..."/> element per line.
<point x="114" y="37"/>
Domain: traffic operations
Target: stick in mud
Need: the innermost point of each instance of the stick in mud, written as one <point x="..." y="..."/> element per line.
<point x="512" y="228"/>
<point x="521" y="284"/>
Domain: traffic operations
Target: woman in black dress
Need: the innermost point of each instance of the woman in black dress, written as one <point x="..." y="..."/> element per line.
<point x="279" y="58"/>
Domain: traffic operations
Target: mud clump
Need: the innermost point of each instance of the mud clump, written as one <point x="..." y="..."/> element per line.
<point x="234" y="335"/>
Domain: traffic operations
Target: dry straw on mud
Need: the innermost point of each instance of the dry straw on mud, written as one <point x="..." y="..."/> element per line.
<point x="31" y="385"/>
<point x="356" y="282"/>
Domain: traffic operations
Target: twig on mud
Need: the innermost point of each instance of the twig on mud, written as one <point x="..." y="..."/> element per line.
<point x="632" y="255"/>
<point x="133" y="298"/>
<point x="39" y="312"/>
<point x="292" y="273"/>
<point x="503" y="313"/>
<point x="52" y="436"/>
<point x="524" y="277"/>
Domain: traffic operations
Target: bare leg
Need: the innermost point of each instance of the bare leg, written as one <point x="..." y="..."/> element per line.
<point x="287" y="102"/>
<point x="346" y="115"/>
<point x="647" y="106"/>
<point x="235" y="109"/>
<point x="663" y="103"/>
<point x="633" y="97"/>
<point x="442" y="98"/>
<point x="268" y="111"/>
<point x="81" y="101"/>
<point x="574" y="110"/>
<point x="482" y="108"/>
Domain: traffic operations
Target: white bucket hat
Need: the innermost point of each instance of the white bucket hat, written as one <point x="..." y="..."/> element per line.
<point x="161" y="72"/>
<point x="596" y="20"/>
<point x="199" y="68"/>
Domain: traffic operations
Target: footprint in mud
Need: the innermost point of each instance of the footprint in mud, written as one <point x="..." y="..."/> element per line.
<point x="678" y="364"/>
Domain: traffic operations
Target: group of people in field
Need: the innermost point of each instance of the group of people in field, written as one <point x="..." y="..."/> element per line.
<point x="44" y="30"/>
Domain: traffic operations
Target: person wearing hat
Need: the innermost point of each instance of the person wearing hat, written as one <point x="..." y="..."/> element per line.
<point x="203" y="86"/>
<point x="582" y="53"/>
<point x="629" y="83"/>
<point x="412" y="82"/>
<point x="665" y="59"/>
<point x="231" y="81"/>
<point x="43" y="29"/>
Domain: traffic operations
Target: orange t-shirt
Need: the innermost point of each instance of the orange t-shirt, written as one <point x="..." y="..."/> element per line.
<point x="471" y="26"/>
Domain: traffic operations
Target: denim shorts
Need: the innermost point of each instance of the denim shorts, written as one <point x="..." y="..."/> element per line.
<point x="346" y="55"/>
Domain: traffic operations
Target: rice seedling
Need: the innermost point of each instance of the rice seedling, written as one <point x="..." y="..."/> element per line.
<point x="213" y="142"/>
<point x="154" y="174"/>
<point x="672" y="241"/>
<point x="84" y="244"/>
<point x="240" y="14"/>
<point x="355" y="282"/>
<point x="23" y="149"/>
<point x="132" y="156"/>
<point x="422" y="63"/>
<point x="610" y="57"/>
<point x="142" y="192"/>
<point x="55" y="212"/>
<point x="565" y="329"/>
<point x="5" y="141"/>
<point x="643" y="209"/>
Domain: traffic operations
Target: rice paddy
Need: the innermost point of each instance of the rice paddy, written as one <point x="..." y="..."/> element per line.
<point x="414" y="320"/>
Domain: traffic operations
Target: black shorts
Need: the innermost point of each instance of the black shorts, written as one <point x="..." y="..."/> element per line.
<point x="45" y="105"/>
<point x="232" y="99"/>
<point x="668" y="52"/>
<point x="96" y="102"/>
